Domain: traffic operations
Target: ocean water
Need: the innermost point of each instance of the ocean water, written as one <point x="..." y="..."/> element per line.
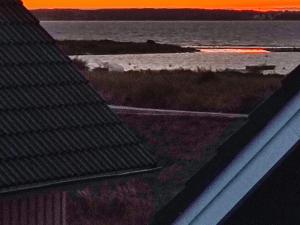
<point x="198" y="33"/>
<point x="214" y="34"/>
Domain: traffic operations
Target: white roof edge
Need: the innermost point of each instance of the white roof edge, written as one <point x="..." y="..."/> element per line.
<point x="247" y="169"/>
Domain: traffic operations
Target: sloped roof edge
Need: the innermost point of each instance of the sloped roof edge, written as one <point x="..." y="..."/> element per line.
<point x="258" y="119"/>
<point x="65" y="183"/>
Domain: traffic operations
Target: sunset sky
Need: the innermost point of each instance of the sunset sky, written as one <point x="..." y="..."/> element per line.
<point x="228" y="4"/>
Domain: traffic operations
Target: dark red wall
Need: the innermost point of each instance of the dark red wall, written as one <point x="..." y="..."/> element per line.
<point x="47" y="209"/>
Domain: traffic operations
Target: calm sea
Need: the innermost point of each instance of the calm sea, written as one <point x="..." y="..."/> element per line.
<point x="198" y="33"/>
<point x="241" y="33"/>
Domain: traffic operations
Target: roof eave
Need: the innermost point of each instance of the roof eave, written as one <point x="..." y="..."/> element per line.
<point x="69" y="184"/>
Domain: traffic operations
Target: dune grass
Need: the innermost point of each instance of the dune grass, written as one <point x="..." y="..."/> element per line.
<point x="225" y="91"/>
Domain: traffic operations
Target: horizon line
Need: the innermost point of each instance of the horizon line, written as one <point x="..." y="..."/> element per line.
<point x="171" y="8"/>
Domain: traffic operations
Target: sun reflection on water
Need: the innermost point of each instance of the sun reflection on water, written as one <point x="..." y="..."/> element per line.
<point x="236" y="50"/>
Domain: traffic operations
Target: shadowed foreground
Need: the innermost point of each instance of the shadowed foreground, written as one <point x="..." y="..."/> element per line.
<point x="182" y="144"/>
<point x="134" y="200"/>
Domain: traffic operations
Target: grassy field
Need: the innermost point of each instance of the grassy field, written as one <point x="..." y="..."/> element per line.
<point x="225" y="91"/>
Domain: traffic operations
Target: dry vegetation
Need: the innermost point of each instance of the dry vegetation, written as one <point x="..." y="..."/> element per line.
<point x="114" y="202"/>
<point x="225" y="91"/>
<point x="182" y="145"/>
<point x="134" y="200"/>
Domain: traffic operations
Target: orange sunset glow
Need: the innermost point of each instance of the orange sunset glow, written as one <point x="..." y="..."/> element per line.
<point x="216" y="4"/>
<point x="237" y="50"/>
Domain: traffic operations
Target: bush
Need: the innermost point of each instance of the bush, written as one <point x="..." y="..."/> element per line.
<point x="80" y="64"/>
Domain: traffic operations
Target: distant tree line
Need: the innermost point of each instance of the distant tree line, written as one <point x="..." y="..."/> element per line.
<point x="162" y="14"/>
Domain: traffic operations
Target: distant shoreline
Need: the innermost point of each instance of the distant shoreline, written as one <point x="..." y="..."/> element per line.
<point x="162" y="15"/>
<point x="167" y="20"/>
<point x="109" y="47"/>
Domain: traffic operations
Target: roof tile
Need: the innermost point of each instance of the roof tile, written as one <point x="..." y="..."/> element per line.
<point x="54" y="128"/>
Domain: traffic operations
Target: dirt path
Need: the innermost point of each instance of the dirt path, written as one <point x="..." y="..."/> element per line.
<point x="163" y="112"/>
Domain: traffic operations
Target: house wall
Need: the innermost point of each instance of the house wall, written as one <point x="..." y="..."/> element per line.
<point x="46" y="209"/>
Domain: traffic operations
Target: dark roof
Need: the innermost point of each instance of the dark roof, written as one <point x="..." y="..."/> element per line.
<point x="276" y="200"/>
<point x="258" y="119"/>
<point x="54" y="128"/>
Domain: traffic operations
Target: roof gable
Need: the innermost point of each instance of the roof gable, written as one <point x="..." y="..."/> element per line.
<point x="276" y="200"/>
<point x="249" y="167"/>
<point x="258" y="120"/>
<point x="54" y="128"/>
